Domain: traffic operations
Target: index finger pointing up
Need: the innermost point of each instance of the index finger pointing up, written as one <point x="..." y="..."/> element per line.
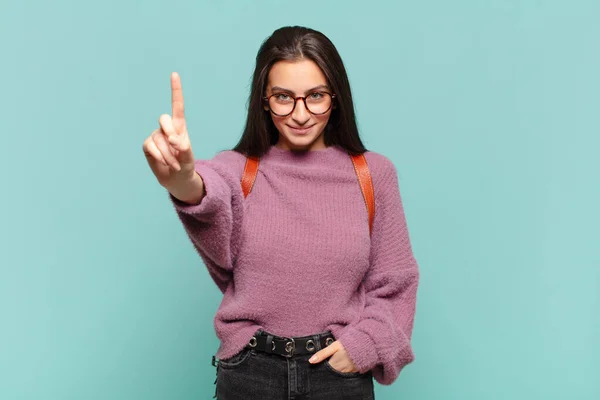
<point x="176" y="97"/>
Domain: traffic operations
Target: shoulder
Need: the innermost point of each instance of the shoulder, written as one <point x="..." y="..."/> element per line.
<point x="228" y="161"/>
<point x="384" y="177"/>
<point x="381" y="167"/>
<point x="229" y="157"/>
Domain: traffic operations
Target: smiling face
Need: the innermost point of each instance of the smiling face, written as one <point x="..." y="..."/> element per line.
<point x="300" y="130"/>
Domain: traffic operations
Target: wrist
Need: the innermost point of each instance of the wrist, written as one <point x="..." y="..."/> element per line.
<point x="188" y="189"/>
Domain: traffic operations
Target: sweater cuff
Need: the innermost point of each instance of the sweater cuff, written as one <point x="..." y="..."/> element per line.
<point x="216" y="191"/>
<point x="360" y="348"/>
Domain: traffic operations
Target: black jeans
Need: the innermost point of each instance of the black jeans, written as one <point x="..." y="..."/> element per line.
<point x="253" y="374"/>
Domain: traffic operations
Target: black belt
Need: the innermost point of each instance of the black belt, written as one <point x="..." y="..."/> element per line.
<point x="287" y="347"/>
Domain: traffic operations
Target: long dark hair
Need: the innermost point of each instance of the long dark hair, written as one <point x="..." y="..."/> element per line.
<point x="292" y="43"/>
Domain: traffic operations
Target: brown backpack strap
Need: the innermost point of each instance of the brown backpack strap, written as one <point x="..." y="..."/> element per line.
<point x="361" y="169"/>
<point x="366" y="185"/>
<point x="250" y="172"/>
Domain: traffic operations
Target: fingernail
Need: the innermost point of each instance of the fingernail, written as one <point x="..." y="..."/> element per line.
<point x="313" y="359"/>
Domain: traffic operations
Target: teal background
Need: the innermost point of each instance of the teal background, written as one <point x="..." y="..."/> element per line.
<point x="489" y="110"/>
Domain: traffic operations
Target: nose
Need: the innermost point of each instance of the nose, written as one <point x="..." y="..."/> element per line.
<point x="300" y="115"/>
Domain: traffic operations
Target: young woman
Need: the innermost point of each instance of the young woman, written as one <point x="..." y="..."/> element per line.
<point x="319" y="283"/>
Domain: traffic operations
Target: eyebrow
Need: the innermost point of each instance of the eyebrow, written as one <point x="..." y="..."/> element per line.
<point x="280" y="89"/>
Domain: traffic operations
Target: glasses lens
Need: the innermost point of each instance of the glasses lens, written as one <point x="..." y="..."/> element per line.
<point x="281" y="104"/>
<point x="318" y="102"/>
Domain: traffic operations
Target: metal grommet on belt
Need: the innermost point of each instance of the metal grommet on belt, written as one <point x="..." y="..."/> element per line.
<point x="310" y="345"/>
<point x="252" y="342"/>
<point x="290" y="347"/>
<point x="328" y="341"/>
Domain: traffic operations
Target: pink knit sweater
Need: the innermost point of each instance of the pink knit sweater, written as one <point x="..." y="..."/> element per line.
<point x="295" y="257"/>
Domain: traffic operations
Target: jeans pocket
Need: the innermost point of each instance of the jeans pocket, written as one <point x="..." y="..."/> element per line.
<point x="237" y="360"/>
<point x="340" y="373"/>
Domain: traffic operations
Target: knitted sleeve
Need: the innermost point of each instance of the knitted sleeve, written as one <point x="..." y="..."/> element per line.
<point x="380" y="339"/>
<point x="213" y="226"/>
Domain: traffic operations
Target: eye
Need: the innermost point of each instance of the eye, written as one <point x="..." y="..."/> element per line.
<point x="282" y="97"/>
<point x="316" y="96"/>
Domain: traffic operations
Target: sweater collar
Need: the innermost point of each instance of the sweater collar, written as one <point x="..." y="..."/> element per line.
<point x="276" y="153"/>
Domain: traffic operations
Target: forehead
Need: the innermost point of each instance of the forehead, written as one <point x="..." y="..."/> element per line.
<point x="297" y="76"/>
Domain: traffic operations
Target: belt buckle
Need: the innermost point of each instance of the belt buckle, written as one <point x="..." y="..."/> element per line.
<point x="290" y="347"/>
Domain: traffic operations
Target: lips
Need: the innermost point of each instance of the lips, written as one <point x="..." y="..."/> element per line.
<point x="300" y="130"/>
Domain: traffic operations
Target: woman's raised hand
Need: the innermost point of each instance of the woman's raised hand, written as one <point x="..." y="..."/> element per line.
<point x="168" y="149"/>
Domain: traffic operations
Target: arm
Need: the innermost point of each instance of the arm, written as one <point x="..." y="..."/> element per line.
<point x="190" y="192"/>
<point x="214" y="223"/>
<point x="380" y="339"/>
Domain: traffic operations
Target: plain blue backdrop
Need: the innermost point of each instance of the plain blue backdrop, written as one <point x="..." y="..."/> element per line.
<point x="489" y="110"/>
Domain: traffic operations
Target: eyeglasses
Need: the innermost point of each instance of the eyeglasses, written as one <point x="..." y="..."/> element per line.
<point x="282" y="104"/>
